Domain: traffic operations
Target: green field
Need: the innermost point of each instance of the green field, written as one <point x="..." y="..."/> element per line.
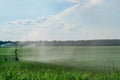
<point x="62" y="63"/>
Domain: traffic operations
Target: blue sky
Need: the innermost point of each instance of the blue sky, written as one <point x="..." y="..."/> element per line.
<point x="30" y="9"/>
<point x="59" y="19"/>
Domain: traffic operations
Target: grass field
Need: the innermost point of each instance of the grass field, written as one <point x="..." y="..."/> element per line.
<point x="62" y="63"/>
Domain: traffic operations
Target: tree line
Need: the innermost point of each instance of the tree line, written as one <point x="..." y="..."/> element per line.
<point x="65" y="43"/>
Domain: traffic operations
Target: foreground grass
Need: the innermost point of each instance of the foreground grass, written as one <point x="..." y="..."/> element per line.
<point x="39" y="71"/>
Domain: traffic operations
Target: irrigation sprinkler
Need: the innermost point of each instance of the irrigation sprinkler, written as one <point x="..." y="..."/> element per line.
<point x="18" y="45"/>
<point x="13" y="58"/>
<point x="16" y="55"/>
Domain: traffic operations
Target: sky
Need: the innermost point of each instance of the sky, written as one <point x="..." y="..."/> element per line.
<point x="59" y="19"/>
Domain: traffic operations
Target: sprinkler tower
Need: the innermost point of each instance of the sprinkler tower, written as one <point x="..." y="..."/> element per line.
<point x="16" y="55"/>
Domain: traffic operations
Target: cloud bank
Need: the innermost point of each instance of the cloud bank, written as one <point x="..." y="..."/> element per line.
<point x="64" y="26"/>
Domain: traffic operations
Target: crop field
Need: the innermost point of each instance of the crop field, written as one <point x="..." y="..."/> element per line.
<point x="61" y="63"/>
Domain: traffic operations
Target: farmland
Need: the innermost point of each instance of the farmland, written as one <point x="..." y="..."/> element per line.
<point x="62" y="63"/>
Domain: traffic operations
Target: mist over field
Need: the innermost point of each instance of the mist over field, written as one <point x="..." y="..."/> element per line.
<point x="74" y="56"/>
<point x="83" y="53"/>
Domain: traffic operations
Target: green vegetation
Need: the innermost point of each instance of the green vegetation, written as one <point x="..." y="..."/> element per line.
<point x="40" y="71"/>
<point x="93" y="63"/>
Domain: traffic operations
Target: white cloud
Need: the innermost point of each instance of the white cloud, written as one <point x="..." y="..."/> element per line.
<point x="92" y="3"/>
<point x="76" y="1"/>
<point x="60" y="26"/>
<point x="28" y="21"/>
<point x="95" y="1"/>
